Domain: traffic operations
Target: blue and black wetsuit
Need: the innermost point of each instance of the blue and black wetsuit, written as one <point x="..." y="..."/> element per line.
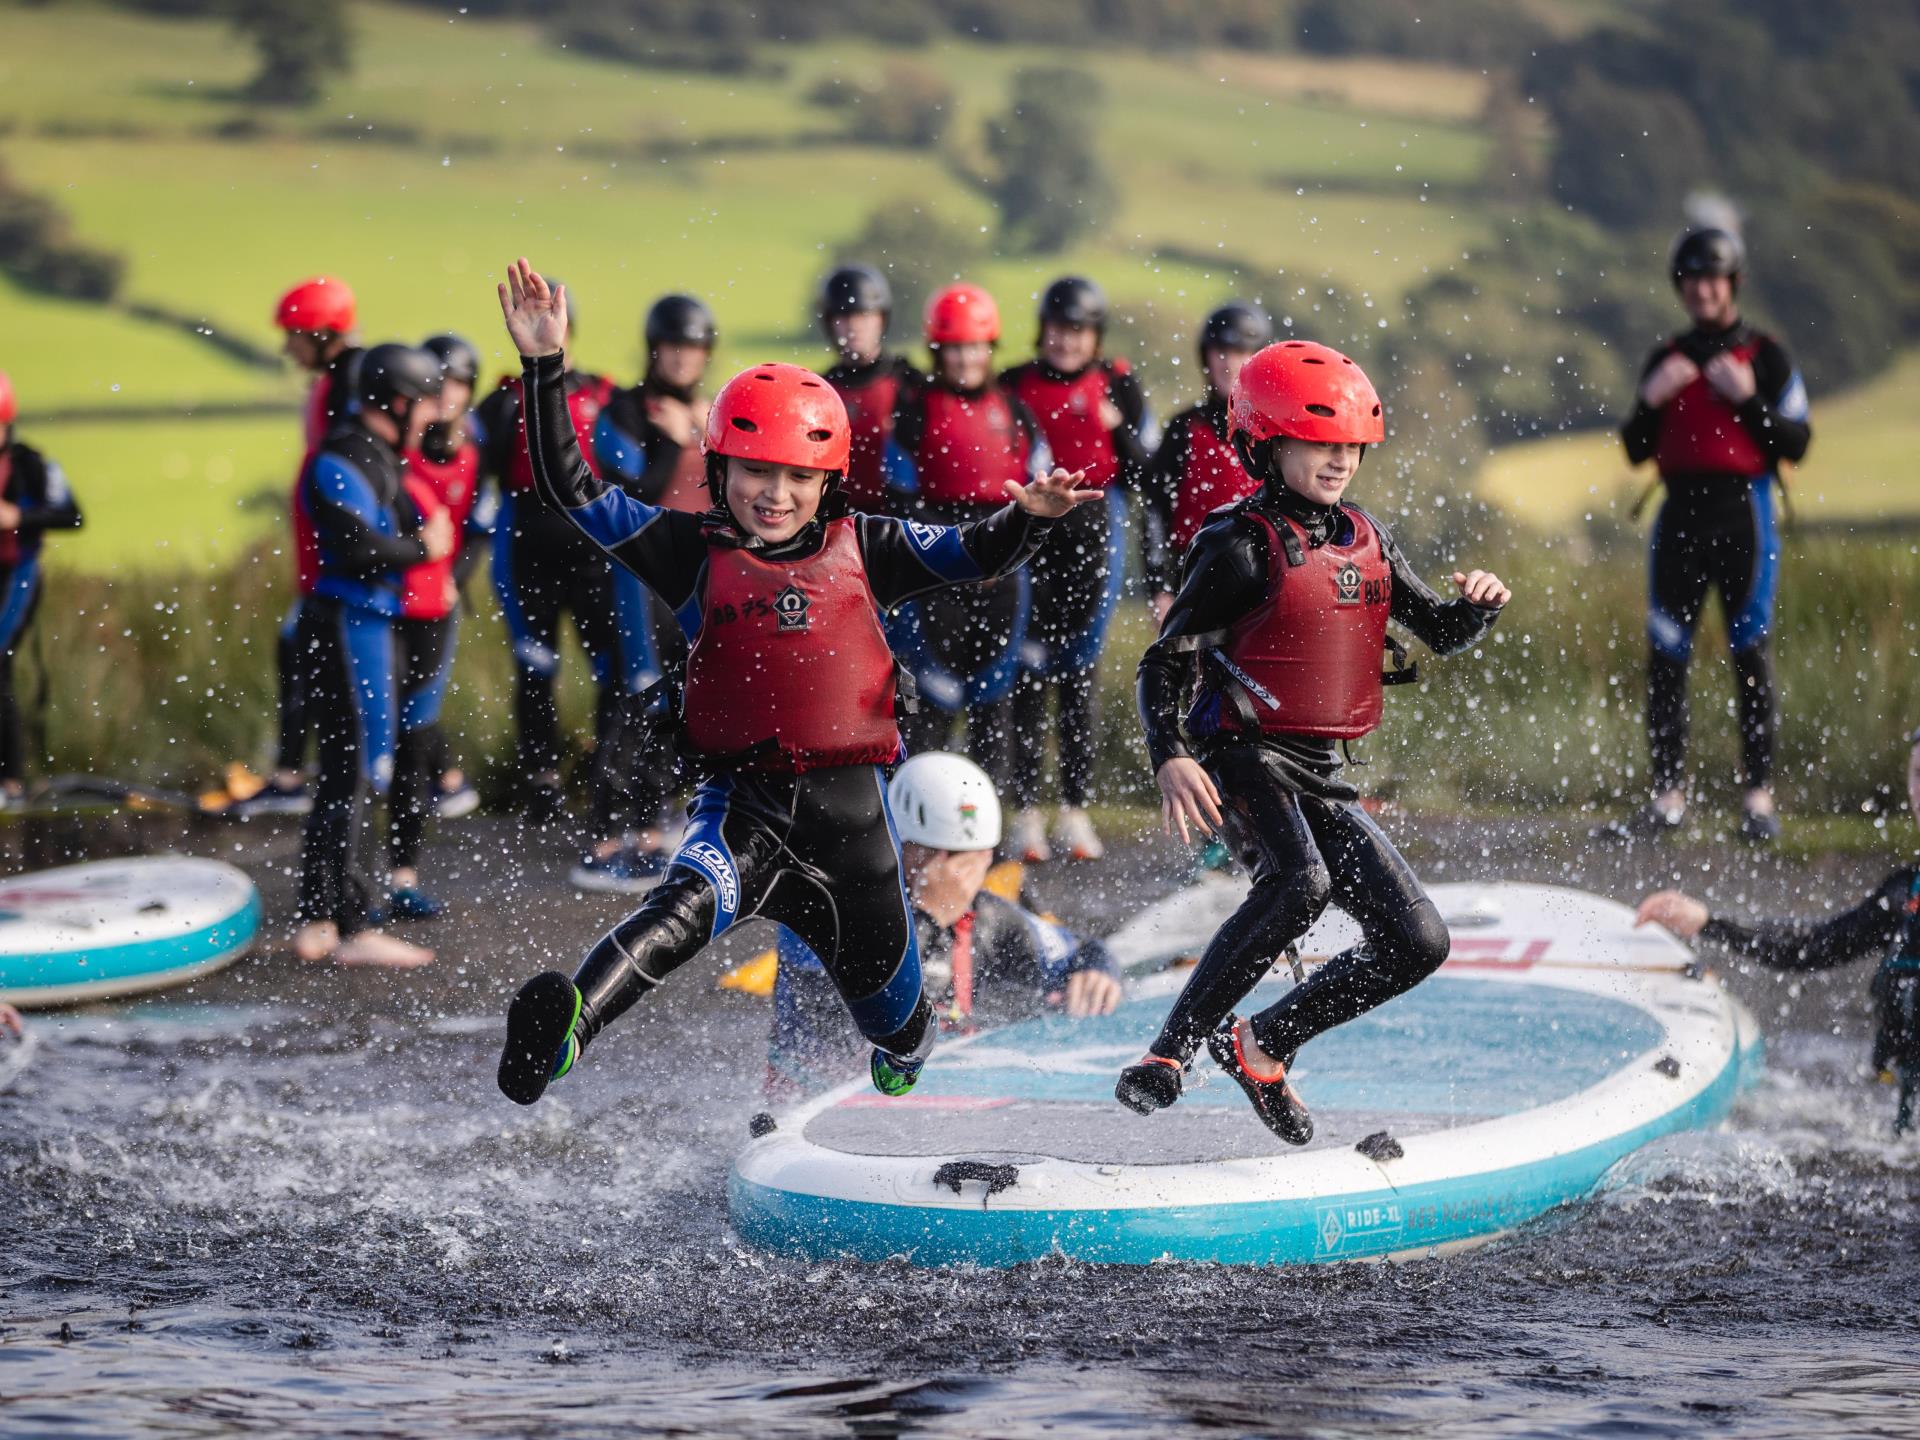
<point x="1716" y="530"/>
<point x="632" y="777"/>
<point x="38" y="487"/>
<point x="542" y="571"/>
<point x="781" y="830"/>
<point x="999" y="964"/>
<point x="366" y="533"/>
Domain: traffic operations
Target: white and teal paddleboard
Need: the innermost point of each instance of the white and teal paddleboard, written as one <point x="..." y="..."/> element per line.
<point x="1556" y="1040"/>
<point x="119" y="927"/>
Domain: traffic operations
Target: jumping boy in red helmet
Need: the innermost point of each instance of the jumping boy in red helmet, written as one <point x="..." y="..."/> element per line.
<point x="1283" y="608"/>
<point x="789" y="699"/>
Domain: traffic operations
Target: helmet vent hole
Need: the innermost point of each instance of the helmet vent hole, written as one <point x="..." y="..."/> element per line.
<point x="1296" y="344"/>
<point x="819" y="437"/>
<point x="1324" y="411"/>
<point x="1311" y="360"/>
<point x="740" y="422"/>
<point x="1376" y="409"/>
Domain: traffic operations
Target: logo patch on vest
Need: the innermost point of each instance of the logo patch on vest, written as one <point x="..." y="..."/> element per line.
<point x="1346" y="584"/>
<point x="790" y="606"/>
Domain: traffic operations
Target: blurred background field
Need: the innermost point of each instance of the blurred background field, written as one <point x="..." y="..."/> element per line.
<point x="1428" y="188"/>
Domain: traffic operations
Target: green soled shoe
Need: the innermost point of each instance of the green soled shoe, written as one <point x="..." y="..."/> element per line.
<point x="895" y="1074"/>
<point x="541" y="1046"/>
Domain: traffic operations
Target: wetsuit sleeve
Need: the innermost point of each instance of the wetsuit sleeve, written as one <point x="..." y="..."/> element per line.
<point x="53" y="506"/>
<point x="663" y="547"/>
<point x="345" y="509"/>
<point x="1160" y="484"/>
<point x="1794" y="944"/>
<point x="1641" y="434"/>
<point x="1775" y="415"/>
<point x="1443" y="626"/>
<point x="1225" y="577"/>
<point x="906" y="558"/>
<point x="619" y="438"/>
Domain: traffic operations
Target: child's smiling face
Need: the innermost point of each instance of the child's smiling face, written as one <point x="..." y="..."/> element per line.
<point x="1319" y="472"/>
<point x="773" y="502"/>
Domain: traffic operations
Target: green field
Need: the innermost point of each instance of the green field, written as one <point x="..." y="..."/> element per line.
<point x="455" y="145"/>
<point x="1861" y="466"/>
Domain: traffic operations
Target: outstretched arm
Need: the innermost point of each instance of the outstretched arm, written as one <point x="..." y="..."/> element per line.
<point x="1790" y="943"/>
<point x="906" y="558"/>
<point x="1443" y="626"/>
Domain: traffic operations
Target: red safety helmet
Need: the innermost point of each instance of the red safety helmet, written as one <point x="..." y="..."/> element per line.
<point x="781" y="415"/>
<point x="962" y="315"/>
<point x="1307" y="391"/>
<point x="317" y="304"/>
<point x="7" y="407"/>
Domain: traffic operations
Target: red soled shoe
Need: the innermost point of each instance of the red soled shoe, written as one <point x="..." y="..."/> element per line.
<point x="1278" y="1105"/>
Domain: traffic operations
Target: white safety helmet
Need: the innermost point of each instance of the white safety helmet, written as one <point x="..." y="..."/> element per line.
<point x="945" y="802"/>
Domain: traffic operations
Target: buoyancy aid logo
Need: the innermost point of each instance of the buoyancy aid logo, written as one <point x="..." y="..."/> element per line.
<point x="1346" y="584"/>
<point x="714" y="863"/>
<point x="790" y="607"/>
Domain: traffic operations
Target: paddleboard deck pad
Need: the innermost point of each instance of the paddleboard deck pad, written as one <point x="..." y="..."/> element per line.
<point x="1556" y="1040"/>
<point x="119" y="927"/>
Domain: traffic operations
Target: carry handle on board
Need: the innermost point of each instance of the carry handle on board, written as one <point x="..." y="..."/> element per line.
<point x="996" y="1178"/>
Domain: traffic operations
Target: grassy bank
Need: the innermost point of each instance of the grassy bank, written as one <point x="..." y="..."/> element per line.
<point x="170" y="677"/>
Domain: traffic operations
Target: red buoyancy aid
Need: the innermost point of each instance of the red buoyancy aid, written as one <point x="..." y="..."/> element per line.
<point x="686" y="489"/>
<point x="585" y="401"/>
<point x="1308" y="655"/>
<point x="1701" y="433"/>
<point x="970" y="446"/>
<point x="306" y="542"/>
<point x="870" y="411"/>
<point x="426" y="589"/>
<point x="1213" y="476"/>
<point x="1069" y="416"/>
<point x="319" y="414"/>
<point x="791" y="670"/>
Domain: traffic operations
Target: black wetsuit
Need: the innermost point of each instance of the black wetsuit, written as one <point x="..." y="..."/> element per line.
<point x="1290" y="816"/>
<point x="1076" y="580"/>
<point x="813" y="851"/>
<point x="633" y="770"/>
<point x="366" y="531"/>
<point x="1717" y="530"/>
<point x="543" y="570"/>
<point x="39" y="488"/>
<point x="1886" y="923"/>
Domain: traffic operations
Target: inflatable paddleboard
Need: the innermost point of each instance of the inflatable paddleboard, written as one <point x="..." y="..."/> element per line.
<point x="1556" y="1040"/>
<point x="119" y="927"/>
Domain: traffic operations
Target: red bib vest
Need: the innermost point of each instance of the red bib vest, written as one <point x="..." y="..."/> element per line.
<point x="686" y="489"/>
<point x="1308" y="656"/>
<point x="585" y="401"/>
<point x="791" y="670"/>
<point x="870" y="410"/>
<point x="970" y="447"/>
<point x="1069" y="416"/>
<point x="1213" y="477"/>
<point x="1700" y="432"/>
<point x="425" y="588"/>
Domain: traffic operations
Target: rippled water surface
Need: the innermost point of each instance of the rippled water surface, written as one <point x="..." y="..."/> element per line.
<point x="290" y="1202"/>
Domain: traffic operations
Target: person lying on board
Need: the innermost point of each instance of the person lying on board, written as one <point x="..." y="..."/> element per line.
<point x="984" y="960"/>
<point x="1885" y="922"/>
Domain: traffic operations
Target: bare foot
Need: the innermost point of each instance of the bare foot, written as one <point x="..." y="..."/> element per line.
<point x="316" y="941"/>
<point x="374" y="947"/>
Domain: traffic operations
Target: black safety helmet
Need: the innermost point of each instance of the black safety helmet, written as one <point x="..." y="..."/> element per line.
<point x="1236" y="325"/>
<point x="1709" y="252"/>
<point x="680" y="320"/>
<point x="458" y="359"/>
<point x="855" y="290"/>
<point x="1075" y="300"/>
<point x="390" y="371"/>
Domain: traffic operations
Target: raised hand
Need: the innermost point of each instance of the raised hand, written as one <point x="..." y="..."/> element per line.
<point x="1483" y="588"/>
<point x="535" y="312"/>
<point x="1732" y="377"/>
<point x="1674" y="911"/>
<point x="1053" y="496"/>
<point x="1668" y="379"/>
